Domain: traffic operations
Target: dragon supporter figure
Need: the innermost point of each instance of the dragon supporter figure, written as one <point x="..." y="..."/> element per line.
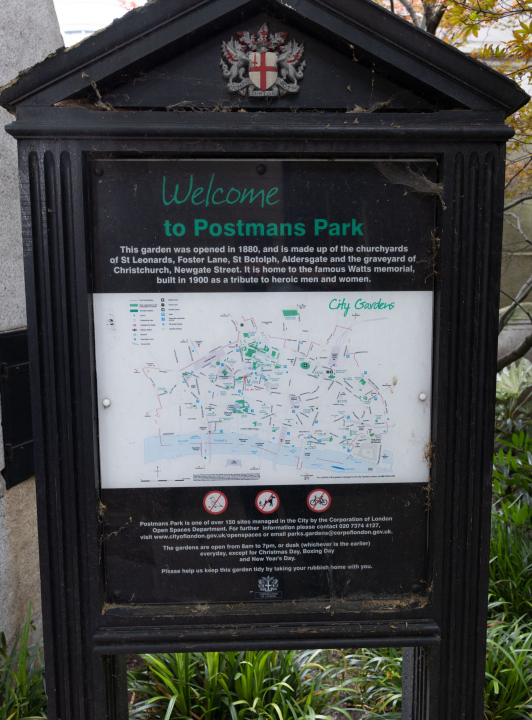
<point x="262" y="65"/>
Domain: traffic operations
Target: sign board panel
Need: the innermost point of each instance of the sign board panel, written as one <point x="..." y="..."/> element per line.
<point x="263" y="334"/>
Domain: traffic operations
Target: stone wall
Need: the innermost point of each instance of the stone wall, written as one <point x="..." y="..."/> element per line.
<point x="28" y="33"/>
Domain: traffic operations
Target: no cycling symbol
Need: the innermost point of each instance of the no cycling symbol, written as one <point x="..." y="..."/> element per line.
<point x="215" y="502"/>
<point x="319" y="500"/>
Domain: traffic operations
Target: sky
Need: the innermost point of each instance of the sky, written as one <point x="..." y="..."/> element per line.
<point x="80" y="18"/>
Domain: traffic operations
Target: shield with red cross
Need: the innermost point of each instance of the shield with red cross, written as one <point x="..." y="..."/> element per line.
<point x="262" y="69"/>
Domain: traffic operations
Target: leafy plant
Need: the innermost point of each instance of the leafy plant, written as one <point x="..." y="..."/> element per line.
<point x="508" y="686"/>
<point x="22" y="688"/>
<point x="512" y="477"/>
<point x="214" y="686"/>
<point x="511" y="562"/>
<point x="514" y="380"/>
<point x="378" y="675"/>
<point x="514" y="403"/>
<point x="508" y="689"/>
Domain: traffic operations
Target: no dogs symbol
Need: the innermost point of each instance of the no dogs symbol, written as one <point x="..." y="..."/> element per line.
<point x="267" y="501"/>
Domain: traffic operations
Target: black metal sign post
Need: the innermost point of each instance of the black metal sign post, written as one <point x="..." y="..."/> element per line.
<point x="262" y="251"/>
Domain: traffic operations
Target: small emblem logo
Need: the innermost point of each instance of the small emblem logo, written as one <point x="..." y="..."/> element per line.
<point x="273" y="64"/>
<point x="268" y="584"/>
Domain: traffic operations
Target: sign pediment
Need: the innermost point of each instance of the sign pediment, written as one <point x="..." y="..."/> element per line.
<point x="232" y="70"/>
<point x="357" y="56"/>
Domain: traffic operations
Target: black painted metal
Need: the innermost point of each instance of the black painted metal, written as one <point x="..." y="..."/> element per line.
<point x="75" y="610"/>
<point x="83" y="633"/>
<point x="116" y="682"/>
<point x="15" y="400"/>
<point x="76" y="123"/>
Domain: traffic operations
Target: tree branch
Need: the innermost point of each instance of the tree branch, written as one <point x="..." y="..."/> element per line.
<point x="516" y="353"/>
<point x="517" y="202"/>
<point x="517" y="226"/>
<point x="518" y="172"/>
<point x="521" y="295"/>
<point x="519" y="305"/>
<point x="518" y="9"/>
<point x="412" y="12"/>
<point x="433" y="16"/>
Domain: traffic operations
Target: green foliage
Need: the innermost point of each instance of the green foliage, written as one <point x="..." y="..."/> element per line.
<point x="512" y="462"/>
<point x="266" y="685"/>
<point x="22" y="689"/>
<point x="514" y="403"/>
<point x="378" y="676"/>
<point x="512" y="473"/>
<point x="511" y="561"/>
<point x="511" y="565"/>
<point x="513" y="380"/>
<point x="508" y="689"/>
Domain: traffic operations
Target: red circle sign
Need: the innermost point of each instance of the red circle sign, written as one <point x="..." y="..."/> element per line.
<point x="319" y="500"/>
<point x="215" y="502"/>
<point x="267" y="501"/>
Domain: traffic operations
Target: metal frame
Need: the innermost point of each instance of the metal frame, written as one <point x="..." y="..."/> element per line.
<point x="83" y="637"/>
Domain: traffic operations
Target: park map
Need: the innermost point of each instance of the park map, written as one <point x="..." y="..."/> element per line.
<point x="288" y="387"/>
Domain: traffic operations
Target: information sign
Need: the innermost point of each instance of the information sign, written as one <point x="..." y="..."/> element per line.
<point x="262" y="253"/>
<point x="264" y="332"/>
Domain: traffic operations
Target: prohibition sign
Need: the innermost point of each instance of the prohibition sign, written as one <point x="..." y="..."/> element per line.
<point x="319" y="500"/>
<point x="267" y="501"/>
<point x="215" y="502"/>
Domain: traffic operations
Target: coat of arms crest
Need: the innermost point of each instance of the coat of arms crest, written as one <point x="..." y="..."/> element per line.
<point x="268" y="584"/>
<point x="273" y="64"/>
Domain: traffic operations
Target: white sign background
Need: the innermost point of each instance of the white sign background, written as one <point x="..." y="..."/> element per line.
<point x="263" y="388"/>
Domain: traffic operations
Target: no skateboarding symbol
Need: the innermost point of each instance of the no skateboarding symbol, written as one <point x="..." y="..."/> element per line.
<point x="267" y="501"/>
<point x="215" y="502"/>
<point x="319" y="500"/>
